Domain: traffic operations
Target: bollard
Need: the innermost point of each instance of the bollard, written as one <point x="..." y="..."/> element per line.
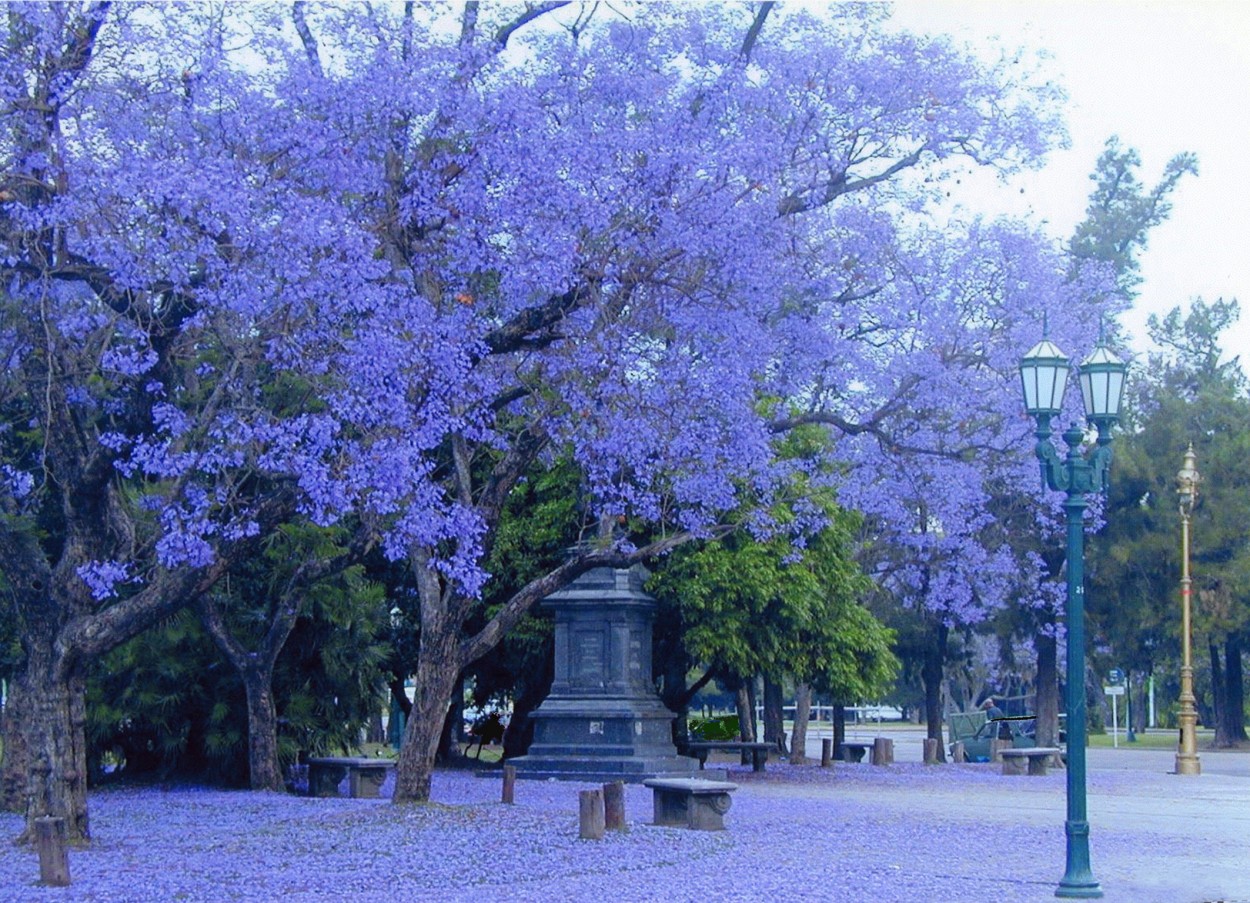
<point x="509" y="782"/>
<point x="930" y="751"/>
<point x="996" y="748"/>
<point x="882" y="751"/>
<point x="958" y="754"/>
<point x="826" y="752"/>
<point x="53" y="853"/>
<point x="590" y="814"/>
<point x="614" y="806"/>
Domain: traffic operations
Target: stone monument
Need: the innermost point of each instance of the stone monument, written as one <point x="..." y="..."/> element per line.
<point x="602" y="720"/>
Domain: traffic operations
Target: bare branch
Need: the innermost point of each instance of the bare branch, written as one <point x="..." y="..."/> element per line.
<point x="474" y="647"/>
<point x="306" y="36"/>
<point x="820" y="195"/>
<point x="468" y="23"/>
<point x="519" y="332"/>
<point x="79" y="50"/>
<point x="538" y="9"/>
<point x="753" y="33"/>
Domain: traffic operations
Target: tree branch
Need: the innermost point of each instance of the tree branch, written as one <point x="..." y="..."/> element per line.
<point x="753" y="33"/>
<point x="810" y="199"/>
<point x="306" y="37"/>
<point x="519" y="332"/>
<point x="474" y="647"/>
<point x="538" y="9"/>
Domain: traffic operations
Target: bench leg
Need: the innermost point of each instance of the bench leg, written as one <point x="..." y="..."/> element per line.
<point x="758" y="758"/>
<point x="1037" y="765"/>
<point x="706" y="812"/>
<point x="669" y="808"/>
<point x="323" y="780"/>
<point x="1012" y="765"/>
<point x="366" y="783"/>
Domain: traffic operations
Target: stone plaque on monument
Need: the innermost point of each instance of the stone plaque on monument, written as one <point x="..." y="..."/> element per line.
<point x="602" y="720"/>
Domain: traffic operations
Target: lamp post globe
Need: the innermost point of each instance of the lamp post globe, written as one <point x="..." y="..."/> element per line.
<point x="1044" y="377"/>
<point x="1102" y="386"/>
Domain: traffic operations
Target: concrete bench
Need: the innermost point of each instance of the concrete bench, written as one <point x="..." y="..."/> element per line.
<point x="690" y="802"/>
<point x="758" y="751"/>
<point x="854" y="752"/>
<point x="1036" y="756"/>
<point x="365" y="776"/>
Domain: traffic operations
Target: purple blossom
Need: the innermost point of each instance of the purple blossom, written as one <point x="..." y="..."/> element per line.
<point x="102" y="577"/>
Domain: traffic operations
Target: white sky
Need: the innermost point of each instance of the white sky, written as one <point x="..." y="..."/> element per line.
<point x="1167" y="77"/>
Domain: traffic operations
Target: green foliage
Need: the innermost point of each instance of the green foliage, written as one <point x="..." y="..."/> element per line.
<point x="1122" y="211"/>
<point x="1187" y="395"/>
<point x="749" y="607"/>
<point x="723" y="727"/>
<point x="168" y="703"/>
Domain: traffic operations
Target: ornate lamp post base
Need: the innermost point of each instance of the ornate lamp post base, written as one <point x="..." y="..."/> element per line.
<point x="1188" y="764"/>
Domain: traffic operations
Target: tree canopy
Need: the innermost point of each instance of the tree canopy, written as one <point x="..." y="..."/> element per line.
<point x="263" y="263"/>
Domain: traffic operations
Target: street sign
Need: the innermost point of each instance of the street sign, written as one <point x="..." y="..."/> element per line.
<point x="1113" y="691"/>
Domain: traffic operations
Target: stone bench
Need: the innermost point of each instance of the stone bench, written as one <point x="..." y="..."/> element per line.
<point x="365" y="776"/>
<point x="854" y="752"/>
<point x="1036" y="756"/>
<point x="700" y="749"/>
<point x="690" y="802"/>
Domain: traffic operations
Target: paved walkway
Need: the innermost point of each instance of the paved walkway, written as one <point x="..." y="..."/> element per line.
<point x="1154" y="835"/>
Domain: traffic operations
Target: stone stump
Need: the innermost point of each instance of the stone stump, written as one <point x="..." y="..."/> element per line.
<point x="590" y="821"/>
<point x="882" y="751"/>
<point x="53" y="851"/>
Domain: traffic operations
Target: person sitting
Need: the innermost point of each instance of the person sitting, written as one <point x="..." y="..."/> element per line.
<point x="994" y="713"/>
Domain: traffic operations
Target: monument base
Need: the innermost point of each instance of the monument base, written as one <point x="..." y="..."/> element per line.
<point x="603" y="740"/>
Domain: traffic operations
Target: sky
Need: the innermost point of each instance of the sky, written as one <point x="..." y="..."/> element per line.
<point x="1166" y="77"/>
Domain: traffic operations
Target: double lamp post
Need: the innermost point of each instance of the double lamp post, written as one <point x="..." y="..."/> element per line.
<point x="1044" y="375"/>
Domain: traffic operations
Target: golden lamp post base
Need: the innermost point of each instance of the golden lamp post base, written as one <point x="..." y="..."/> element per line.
<point x="1188" y="764"/>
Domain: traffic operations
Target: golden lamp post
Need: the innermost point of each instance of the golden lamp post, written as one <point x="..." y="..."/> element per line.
<point x="1186" y="754"/>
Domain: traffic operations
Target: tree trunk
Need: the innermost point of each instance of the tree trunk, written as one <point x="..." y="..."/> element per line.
<point x="437" y="672"/>
<point x="746" y="712"/>
<point x="519" y="733"/>
<point x="1218" y="697"/>
<point x="798" y="733"/>
<point x="255" y="669"/>
<point x="931" y="674"/>
<point x="439" y="666"/>
<point x="264" y="769"/>
<point x="54" y="707"/>
<point x="453" y="726"/>
<point x="15" y="765"/>
<point x="1047" y="705"/>
<point x="774" y="715"/>
<point x="839" y="729"/>
<point x="1234" y="692"/>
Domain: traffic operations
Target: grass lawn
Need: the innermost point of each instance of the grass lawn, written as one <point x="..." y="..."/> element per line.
<point x="1153" y="739"/>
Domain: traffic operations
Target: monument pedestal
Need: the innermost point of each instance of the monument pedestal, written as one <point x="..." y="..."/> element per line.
<point x="602" y="720"/>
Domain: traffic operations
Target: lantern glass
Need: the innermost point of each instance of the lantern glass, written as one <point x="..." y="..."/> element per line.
<point x="1044" y="376"/>
<point x="1102" y="384"/>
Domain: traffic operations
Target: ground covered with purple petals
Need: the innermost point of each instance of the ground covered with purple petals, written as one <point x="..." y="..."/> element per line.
<point x="903" y="833"/>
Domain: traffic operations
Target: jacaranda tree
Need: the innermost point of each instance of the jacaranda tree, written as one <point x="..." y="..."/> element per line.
<point x="264" y="263"/>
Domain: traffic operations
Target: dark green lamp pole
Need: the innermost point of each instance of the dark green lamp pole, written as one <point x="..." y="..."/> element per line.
<point x="1044" y="375"/>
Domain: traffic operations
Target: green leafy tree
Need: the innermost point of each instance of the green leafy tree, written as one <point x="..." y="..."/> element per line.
<point x="1191" y="393"/>
<point x="756" y="607"/>
<point x="169" y="703"/>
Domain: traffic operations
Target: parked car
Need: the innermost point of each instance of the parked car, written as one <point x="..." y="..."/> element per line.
<point x="975" y="730"/>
